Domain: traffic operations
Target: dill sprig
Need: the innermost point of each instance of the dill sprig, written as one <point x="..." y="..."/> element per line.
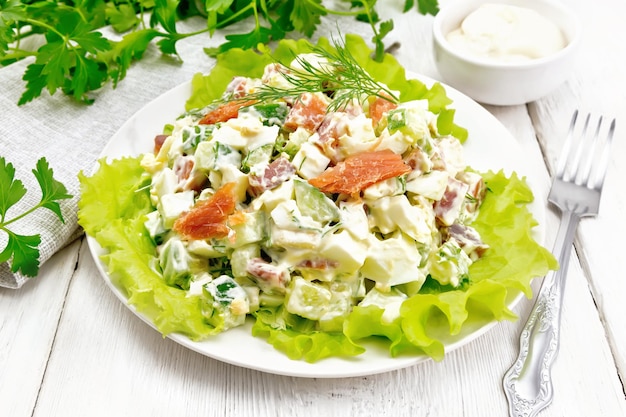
<point x="339" y="76"/>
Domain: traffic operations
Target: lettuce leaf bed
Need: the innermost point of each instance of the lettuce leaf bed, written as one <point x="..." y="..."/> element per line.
<point x="115" y="200"/>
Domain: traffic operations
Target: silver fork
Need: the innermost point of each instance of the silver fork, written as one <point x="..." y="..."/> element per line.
<point x="576" y="189"/>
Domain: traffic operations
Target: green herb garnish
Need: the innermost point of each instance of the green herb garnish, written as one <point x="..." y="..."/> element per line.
<point x="339" y="75"/>
<point x="72" y="54"/>
<point x="23" y="250"/>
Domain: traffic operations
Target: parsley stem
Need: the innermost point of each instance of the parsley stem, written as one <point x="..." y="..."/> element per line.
<point x="3" y="224"/>
<point x="336" y="12"/>
<point x="368" y="12"/>
<point x="234" y="17"/>
<point x="198" y="32"/>
<point x="18" y="54"/>
<point x="45" y="26"/>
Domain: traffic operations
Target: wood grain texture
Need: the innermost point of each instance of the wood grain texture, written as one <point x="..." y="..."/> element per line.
<point x="70" y="348"/>
<point x="28" y="325"/>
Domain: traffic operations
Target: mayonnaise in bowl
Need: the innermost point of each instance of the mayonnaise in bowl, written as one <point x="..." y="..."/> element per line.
<point x="507" y="52"/>
<point x="506" y="33"/>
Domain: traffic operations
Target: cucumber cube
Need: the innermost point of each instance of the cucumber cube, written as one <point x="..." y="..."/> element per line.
<point x="226" y="303"/>
<point x="307" y="299"/>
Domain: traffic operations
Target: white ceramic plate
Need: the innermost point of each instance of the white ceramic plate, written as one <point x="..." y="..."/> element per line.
<point x="489" y="146"/>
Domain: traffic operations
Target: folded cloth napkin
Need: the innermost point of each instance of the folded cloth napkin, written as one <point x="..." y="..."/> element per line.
<point x="71" y="135"/>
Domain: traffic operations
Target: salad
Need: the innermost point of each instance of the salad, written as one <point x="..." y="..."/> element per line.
<point x="317" y="201"/>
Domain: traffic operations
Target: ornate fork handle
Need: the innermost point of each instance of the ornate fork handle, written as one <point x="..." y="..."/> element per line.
<point x="528" y="383"/>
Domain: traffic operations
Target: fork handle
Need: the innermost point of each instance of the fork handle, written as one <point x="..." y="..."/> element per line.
<point x="528" y="384"/>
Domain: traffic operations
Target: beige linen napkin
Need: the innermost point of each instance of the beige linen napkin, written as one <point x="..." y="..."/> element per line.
<point x="71" y="135"/>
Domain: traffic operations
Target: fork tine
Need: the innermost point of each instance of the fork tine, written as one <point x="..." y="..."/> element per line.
<point x="603" y="164"/>
<point x="583" y="175"/>
<point x="560" y="170"/>
<point x="578" y="141"/>
<point x="579" y="162"/>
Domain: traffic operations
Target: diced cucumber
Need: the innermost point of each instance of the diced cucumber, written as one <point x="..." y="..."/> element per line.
<point x="175" y="264"/>
<point x="154" y="225"/>
<point x="204" y="249"/>
<point x="411" y="119"/>
<point x="240" y="257"/>
<point x="196" y="285"/>
<point x="257" y="157"/>
<point x="314" y="203"/>
<point x="228" y="301"/>
<point x="292" y="145"/>
<point x="307" y="299"/>
<point x="212" y="155"/>
<point x="271" y="299"/>
<point x="339" y="307"/>
<point x="270" y="199"/>
<point x="287" y="215"/>
<point x="253" y="292"/>
<point x="250" y="227"/>
<point x="396" y="119"/>
<point x="168" y="128"/>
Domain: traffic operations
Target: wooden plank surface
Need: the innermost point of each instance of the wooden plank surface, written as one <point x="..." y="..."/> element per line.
<point x="69" y="347"/>
<point x="28" y="325"/>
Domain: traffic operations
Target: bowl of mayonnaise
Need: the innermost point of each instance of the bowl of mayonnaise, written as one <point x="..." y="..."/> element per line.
<point x="505" y="52"/>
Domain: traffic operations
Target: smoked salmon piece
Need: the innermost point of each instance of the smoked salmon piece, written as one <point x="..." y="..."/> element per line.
<point x="207" y="219"/>
<point x="357" y="172"/>
<point x="224" y="112"/>
<point x="307" y="112"/>
<point x="379" y="107"/>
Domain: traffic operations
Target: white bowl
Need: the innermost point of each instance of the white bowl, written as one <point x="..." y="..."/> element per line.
<point x="504" y="83"/>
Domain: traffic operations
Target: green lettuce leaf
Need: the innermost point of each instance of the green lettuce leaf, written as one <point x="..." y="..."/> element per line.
<point x="112" y="209"/>
<point x="506" y="224"/>
<point x="117" y="184"/>
<point x="297" y="338"/>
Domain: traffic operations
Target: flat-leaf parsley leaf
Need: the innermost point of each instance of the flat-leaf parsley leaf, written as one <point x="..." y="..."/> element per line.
<point x="23" y="250"/>
<point x="78" y="59"/>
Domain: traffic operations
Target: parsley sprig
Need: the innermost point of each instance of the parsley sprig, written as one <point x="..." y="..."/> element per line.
<point x="77" y="58"/>
<point x="23" y="250"/>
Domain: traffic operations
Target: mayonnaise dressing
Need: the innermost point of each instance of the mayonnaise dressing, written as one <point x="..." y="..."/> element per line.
<point x="507" y="33"/>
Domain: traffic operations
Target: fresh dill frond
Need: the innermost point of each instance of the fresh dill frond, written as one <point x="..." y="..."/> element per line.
<point x="337" y="75"/>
